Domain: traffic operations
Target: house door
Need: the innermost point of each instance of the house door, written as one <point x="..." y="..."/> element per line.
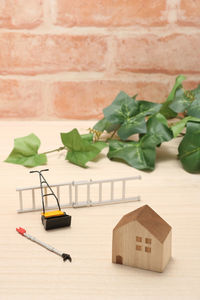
<point x="119" y="259"/>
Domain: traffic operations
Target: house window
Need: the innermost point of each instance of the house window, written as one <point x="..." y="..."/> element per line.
<point x="138" y="239"/>
<point x="148" y="241"/>
<point x="138" y="248"/>
<point x="148" y="249"/>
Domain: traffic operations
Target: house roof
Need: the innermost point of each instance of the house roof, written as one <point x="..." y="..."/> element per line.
<point x="148" y="218"/>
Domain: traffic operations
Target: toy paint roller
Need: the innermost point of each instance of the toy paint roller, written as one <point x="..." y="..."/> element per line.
<point x="64" y="256"/>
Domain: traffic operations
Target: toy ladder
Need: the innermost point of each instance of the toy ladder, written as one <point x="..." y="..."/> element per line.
<point x="73" y="193"/>
<point x="44" y="184"/>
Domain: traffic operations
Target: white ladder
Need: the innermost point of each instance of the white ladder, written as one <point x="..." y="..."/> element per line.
<point x="73" y="200"/>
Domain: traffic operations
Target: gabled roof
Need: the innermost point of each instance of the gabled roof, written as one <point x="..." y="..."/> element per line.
<point x="148" y="218"/>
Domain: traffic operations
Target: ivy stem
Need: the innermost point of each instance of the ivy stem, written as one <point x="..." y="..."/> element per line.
<point x="113" y="133"/>
<point x="55" y="150"/>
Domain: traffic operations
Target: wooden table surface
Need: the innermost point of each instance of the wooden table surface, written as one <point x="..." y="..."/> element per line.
<point x="28" y="271"/>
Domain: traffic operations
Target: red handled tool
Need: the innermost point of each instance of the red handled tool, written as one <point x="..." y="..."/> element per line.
<point x="65" y="256"/>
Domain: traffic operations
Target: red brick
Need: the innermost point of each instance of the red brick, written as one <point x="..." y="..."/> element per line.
<point x="189" y="13"/>
<point x="20" y="99"/>
<point x="110" y="12"/>
<point x="173" y="54"/>
<point x="36" y="53"/>
<point x="190" y="85"/>
<point x="85" y="100"/>
<point x="20" y="13"/>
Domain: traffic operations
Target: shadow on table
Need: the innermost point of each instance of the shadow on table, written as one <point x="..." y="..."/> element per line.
<point x="99" y="157"/>
<point x="163" y="153"/>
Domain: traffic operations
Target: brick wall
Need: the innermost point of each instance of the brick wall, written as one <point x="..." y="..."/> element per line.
<point x="69" y="58"/>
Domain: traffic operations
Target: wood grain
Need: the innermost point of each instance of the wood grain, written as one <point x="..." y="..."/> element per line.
<point x="134" y="231"/>
<point x="28" y="271"/>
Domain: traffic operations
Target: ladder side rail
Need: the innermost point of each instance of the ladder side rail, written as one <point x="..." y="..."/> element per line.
<point x="115" y="179"/>
<point x="88" y="193"/>
<point x="20" y="200"/>
<point x="34" y="187"/>
<point x="33" y="198"/>
<point x="81" y="182"/>
<point x="106" y="202"/>
<point x="112" y="190"/>
<point x="76" y="194"/>
<point x="123" y="189"/>
<point x="38" y="187"/>
<point x="39" y="208"/>
<point x="100" y="192"/>
<point x="70" y="194"/>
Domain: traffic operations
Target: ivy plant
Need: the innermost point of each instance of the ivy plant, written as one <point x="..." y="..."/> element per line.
<point x="134" y="129"/>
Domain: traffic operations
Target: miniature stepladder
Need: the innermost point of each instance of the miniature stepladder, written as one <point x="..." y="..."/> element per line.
<point x="142" y="239"/>
<point x="56" y="218"/>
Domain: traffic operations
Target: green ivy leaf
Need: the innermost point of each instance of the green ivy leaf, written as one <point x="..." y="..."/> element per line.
<point x="104" y="124"/>
<point x="157" y="125"/>
<point x="187" y="100"/>
<point x="140" y="155"/>
<point x="189" y="148"/>
<point x="165" y="109"/>
<point x="181" y="102"/>
<point x="147" y="108"/>
<point x="129" y="114"/>
<point x="81" y="149"/>
<point x="179" y="126"/>
<point x="194" y="109"/>
<point x="193" y="127"/>
<point x="122" y="108"/>
<point x="87" y="137"/>
<point x="137" y="124"/>
<point x="131" y="126"/>
<point x="196" y="92"/>
<point x="98" y="144"/>
<point x="25" y="152"/>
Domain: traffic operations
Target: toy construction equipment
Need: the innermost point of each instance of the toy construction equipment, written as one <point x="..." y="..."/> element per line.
<point x="51" y="219"/>
<point x="74" y="196"/>
<point x="64" y="256"/>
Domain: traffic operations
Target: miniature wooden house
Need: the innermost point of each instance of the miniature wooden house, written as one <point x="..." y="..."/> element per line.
<point x="142" y="239"/>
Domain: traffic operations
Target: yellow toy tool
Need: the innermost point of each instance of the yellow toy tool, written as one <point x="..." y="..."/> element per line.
<point x="56" y="218"/>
